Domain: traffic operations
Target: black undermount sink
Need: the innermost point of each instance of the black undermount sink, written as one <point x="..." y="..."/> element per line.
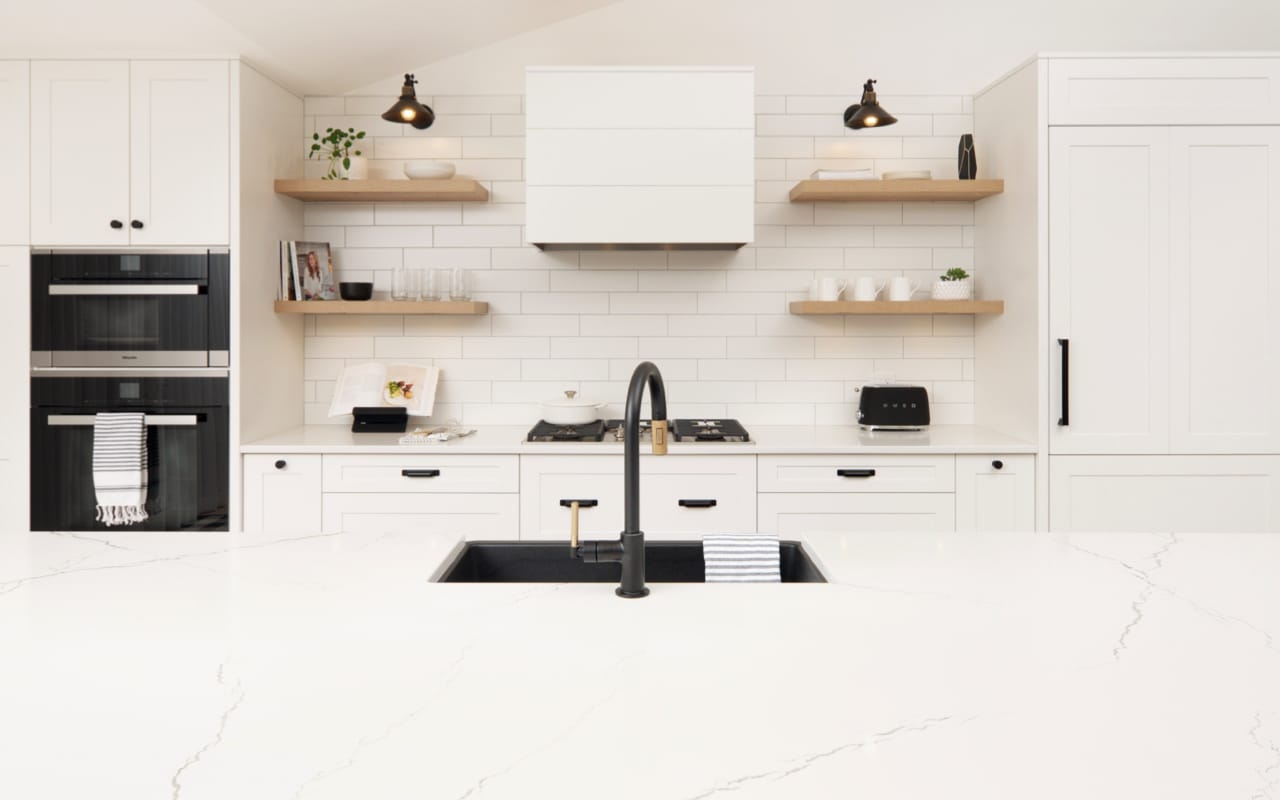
<point x="550" y="562"/>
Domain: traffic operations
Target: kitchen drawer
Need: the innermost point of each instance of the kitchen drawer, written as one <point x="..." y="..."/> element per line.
<point x="475" y="516"/>
<point x="1164" y="493"/>
<point x="857" y="473"/>
<point x="995" y="493"/>
<point x="414" y="473"/>
<point x="792" y="515"/>
<point x="719" y="495"/>
<point x="1164" y="91"/>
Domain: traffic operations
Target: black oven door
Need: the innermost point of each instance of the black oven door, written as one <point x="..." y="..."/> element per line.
<point x="187" y="451"/>
<point x="129" y="309"/>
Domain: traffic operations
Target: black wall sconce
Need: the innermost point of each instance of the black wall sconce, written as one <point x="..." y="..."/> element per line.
<point x="868" y="113"/>
<point x="407" y="110"/>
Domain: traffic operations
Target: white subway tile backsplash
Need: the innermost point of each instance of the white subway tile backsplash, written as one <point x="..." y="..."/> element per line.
<point x="716" y="322"/>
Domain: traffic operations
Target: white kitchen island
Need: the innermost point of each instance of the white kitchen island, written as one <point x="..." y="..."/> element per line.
<point x="213" y="666"/>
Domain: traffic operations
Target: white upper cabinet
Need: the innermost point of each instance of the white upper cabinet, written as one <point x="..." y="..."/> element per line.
<point x="644" y="155"/>
<point x="1108" y="292"/>
<point x="180" y="153"/>
<point x="80" y="152"/>
<point x="130" y="153"/>
<point x="1164" y="91"/>
<point x="1224" y="282"/>
<point x="15" y="168"/>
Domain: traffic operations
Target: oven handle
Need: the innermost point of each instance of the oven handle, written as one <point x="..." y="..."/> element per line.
<point x="153" y="420"/>
<point x="123" y="288"/>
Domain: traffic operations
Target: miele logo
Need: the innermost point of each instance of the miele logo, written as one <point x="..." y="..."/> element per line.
<point x="129" y="358"/>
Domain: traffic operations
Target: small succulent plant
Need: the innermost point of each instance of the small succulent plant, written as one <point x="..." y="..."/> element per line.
<point x="954" y="274"/>
<point x="338" y="146"/>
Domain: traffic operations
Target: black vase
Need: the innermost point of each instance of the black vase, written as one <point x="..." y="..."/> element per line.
<point x="968" y="159"/>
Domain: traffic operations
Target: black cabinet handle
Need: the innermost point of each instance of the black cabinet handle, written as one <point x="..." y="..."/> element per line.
<point x="116" y="224"/>
<point x="697" y="503"/>
<point x="856" y="473"/>
<point x="997" y="464"/>
<point x="581" y="503"/>
<point x="1065" y="419"/>
<point x="136" y="224"/>
<point x="281" y="464"/>
<point x="420" y="473"/>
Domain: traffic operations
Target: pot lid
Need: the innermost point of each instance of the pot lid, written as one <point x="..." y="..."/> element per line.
<point x="571" y="400"/>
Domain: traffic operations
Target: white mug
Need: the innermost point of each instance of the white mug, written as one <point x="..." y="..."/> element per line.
<point x="826" y="289"/>
<point x="865" y="289"/>
<point x="902" y="288"/>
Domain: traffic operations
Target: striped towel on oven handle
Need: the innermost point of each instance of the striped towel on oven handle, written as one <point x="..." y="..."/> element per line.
<point x="120" y="467"/>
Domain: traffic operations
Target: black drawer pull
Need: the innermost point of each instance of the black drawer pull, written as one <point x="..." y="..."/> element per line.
<point x="581" y="503"/>
<point x="697" y="503"/>
<point x="136" y="224"/>
<point x="420" y="473"/>
<point x="116" y="224"/>
<point x="997" y="464"/>
<point x="856" y="473"/>
<point x="281" y="464"/>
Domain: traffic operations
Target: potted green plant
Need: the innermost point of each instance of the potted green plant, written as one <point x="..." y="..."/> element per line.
<point x="954" y="284"/>
<point x="338" y="146"/>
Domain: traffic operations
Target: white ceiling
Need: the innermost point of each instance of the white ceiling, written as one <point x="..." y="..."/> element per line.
<point x="311" y="46"/>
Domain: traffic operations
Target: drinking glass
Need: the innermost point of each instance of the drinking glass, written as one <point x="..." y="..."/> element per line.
<point x="459" y="285"/>
<point x="433" y="284"/>
<point x="405" y="285"/>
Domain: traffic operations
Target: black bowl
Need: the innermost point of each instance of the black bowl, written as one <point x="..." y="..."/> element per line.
<point x="355" y="291"/>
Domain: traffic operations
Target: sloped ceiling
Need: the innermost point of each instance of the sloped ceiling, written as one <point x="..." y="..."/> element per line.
<point x="310" y="46"/>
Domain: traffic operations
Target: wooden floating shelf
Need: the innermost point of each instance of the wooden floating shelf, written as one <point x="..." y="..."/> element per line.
<point x="886" y="191"/>
<point x="403" y="307"/>
<point x="458" y="188"/>
<point x="897" y="307"/>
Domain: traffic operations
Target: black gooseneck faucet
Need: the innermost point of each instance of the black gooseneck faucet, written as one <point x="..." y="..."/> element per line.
<point x="629" y="548"/>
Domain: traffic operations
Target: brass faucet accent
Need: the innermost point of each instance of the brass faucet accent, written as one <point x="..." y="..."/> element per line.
<point x="658" y="432"/>
<point x="573" y="525"/>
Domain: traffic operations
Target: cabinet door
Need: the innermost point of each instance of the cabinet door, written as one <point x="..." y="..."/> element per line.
<point x="15" y="405"/>
<point x="1108" y="289"/>
<point x="282" y="493"/>
<point x="180" y="128"/>
<point x="795" y="515"/>
<point x="79" y="152"/>
<point x="995" y="493"/>
<point x="1224" y="285"/>
<point x="15" y="167"/>
<point x="1164" y="493"/>
<point x="474" y="516"/>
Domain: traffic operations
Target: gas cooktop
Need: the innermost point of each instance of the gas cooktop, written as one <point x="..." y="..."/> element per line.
<point x="682" y="430"/>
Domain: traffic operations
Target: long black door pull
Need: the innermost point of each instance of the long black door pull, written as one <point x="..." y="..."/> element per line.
<point x="1065" y="419"/>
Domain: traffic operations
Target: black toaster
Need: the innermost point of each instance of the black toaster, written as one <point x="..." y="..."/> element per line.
<point x="893" y="408"/>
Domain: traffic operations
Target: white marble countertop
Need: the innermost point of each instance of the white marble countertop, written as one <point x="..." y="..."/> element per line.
<point x="216" y="666"/>
<point x="768" y="439"/>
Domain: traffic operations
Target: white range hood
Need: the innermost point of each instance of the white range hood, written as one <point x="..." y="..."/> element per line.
<point x="640" y="157"/>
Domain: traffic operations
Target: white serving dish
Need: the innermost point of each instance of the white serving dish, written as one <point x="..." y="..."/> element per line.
<point x="570" y="410"/>
<point x="425" y="170"/>
<point x="908" y="175"/>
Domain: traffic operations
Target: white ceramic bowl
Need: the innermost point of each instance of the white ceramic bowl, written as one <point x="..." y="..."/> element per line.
<point x="428" y="170"/>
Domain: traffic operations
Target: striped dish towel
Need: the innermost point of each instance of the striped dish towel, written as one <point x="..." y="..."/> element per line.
<point x="741" y="557"/>
<point x="120" y="467"/>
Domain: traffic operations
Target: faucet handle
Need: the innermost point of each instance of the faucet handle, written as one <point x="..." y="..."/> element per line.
<point x="574" y="506"/>
<point x="658" y="433"/>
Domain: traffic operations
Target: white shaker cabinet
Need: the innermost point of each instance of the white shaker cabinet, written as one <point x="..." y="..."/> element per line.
<point x="80" y="152"/>
<point x="130" y="153"/>
<point x="1109" y="290"/>
<point x="180" y="152"/>
<point x="1224" y="285"/>
<point x="995" y="493"/>
<point x="15" y="405"/>
<point x="282" y="493"/>
<point x="15" y="167"/>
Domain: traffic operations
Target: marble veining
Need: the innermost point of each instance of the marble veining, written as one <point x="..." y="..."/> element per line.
<point x="305" y="667"/>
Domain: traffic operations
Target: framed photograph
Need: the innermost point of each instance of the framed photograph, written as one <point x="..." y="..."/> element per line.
<point x="315" y="271"/>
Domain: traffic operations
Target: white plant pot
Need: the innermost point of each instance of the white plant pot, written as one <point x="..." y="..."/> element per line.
<point x="953" y="290"/>
<point x="359" y="170"/>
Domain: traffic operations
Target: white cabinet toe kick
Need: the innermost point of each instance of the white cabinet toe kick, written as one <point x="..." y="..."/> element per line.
<point x="681" y="497"/>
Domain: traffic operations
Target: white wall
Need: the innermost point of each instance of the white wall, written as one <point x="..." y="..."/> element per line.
<point x="831" y="46"/>
<point x="716" y="322"/>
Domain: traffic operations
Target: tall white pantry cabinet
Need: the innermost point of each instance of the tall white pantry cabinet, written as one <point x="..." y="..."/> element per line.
<point x="1159" y="188"/>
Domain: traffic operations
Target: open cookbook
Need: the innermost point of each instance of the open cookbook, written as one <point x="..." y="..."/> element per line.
<point x="408" y="385"/>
